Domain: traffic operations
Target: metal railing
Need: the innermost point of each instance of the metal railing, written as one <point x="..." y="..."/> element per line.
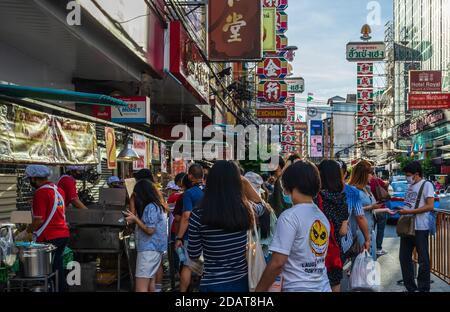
<point x="440" y="247"/>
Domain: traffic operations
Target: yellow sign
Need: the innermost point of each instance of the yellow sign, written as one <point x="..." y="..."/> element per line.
<point x="270" y="30"/>
<point x="111" y="154"/>
<point x="30" y="136"/>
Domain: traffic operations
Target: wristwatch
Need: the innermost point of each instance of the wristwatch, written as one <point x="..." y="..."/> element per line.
<point x="179" y="239"/>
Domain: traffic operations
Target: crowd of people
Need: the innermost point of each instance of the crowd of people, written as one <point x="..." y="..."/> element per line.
<point x="310" y="221"/>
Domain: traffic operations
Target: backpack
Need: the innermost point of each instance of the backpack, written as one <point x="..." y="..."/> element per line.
<point x="333" y="257"/>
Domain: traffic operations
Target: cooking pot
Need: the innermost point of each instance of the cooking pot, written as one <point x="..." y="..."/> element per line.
<point x="36" y="259"/>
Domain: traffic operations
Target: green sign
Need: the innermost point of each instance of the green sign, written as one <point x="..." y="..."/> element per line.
<point x="366" y="51"/>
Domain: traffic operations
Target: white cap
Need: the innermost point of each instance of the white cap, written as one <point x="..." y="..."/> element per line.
<point x="172" y="186"/>
<point x="256" y="180"/>
<point x="37" y="171"/>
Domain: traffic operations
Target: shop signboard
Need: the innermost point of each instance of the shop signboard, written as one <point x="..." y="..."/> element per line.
<point x="316" y="146"/>
<point x="365" y="135"/>
<point x="111" y="150"/>
<point x="279" y="4"/>
<point x="187" y="63"/>
<point x="366" y="108"/>
<point x="273" y="68"/>
<point x="282" y="22"/>
<point x="282" y="42"/>
<point x="140" y="146"/>
<point x="364" y="82"/>
<point x="272" y="91"/>
<point x="365" y="121"/>
<point x="280" y="113"/>
<point x="269" y="30"/>
<point x="234" y="30"/>
<point x="365" y="69"/>
<point x="137" y="111"/>
<point x="365" y="95"/>
<point x="425" y="81"/>
<point x="30" y="136"/>
<point x="101" y="112"/>
<point x="366" y="51"/>
<point x="429" y="101"/>
<point x="296" y="85"/>
<point x="422" y="123"/>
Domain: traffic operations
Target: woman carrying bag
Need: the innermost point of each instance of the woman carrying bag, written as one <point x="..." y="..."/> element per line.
<point x="219" y="228"/>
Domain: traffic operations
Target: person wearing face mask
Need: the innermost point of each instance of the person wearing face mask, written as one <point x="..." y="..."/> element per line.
<point x="419" y="201"/>
<point x="278" y="200"/>
<point x="48" y="210"/>
<point x="68" y="184"/>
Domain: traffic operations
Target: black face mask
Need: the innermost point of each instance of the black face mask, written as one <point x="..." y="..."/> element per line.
<point x="33" y="184"/>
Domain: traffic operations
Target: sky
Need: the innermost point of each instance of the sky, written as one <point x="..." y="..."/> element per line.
<point x="321" y="29"/>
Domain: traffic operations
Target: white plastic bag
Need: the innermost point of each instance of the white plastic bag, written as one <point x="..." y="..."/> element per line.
<point x="365" y="274"/>
<point x="255" y="259"/>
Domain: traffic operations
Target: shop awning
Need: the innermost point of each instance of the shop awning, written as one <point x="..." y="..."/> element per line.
<point x="59" y="95"/>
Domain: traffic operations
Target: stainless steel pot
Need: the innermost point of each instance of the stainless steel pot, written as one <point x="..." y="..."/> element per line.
<point x="36" y="259"/>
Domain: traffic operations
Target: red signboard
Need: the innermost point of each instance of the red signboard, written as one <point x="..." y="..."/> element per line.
<point x="282" y="42"/>
<point x="155" y="55"/>
<point x="272" y="91"/>
<point x="234" y="30"/>
<point x="282" y="22"/>
<point x="279" y="4"/>
<point x="425" y="81"/>
<point x="273" y="67"/>
<point x="101" y="112"/>
<point x="187" y="64"/>
<point x="428" y="101"/>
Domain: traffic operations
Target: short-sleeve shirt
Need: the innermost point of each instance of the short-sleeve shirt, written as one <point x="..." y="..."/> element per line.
<point x="43" y="201"/>
<point x="153" y="217"/>
<point x="192" y="197"/>
<point x="422" y="220"/>
<point x="69" y="185"/>
<point x="303" y="234"/>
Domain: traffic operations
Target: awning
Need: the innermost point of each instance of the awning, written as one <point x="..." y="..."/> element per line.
<point x="59" y="95"/>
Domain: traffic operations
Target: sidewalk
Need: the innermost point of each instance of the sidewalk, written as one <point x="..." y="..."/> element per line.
<point x="390" y="267"/>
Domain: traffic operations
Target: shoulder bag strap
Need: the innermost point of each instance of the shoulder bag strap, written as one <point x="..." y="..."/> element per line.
<point x="419" y="196"/>
<point x="39" y="232"/>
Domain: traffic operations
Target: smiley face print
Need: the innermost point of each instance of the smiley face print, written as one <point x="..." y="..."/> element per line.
<point x="318" y="238"/>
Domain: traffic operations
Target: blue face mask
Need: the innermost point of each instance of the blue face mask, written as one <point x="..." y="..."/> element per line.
<point x="287" y="199"/>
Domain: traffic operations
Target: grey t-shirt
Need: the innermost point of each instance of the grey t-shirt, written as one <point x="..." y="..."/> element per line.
<point x="303" y="234"/>
<point x="422" y="220"/>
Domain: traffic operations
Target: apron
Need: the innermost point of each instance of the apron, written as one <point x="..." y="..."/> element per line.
<point x="58" y="196"/>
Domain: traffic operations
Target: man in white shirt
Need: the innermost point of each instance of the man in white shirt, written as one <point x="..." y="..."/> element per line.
<point x="417" y="187"/>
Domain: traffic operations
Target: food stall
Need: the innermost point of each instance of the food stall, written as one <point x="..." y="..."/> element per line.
<point x="99" y="238"/>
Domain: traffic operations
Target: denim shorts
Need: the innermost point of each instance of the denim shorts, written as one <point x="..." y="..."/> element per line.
<point x="148" y="263"/>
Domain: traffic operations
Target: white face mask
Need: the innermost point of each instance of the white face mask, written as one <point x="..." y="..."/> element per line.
<point x="410" y="180"/>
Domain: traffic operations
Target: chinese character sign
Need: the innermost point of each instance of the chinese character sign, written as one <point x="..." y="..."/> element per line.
<point x="366" y="108"/>
<point x="273" y="68"/>
<point x="235" y="30"/>
<point x="272" y="91"/>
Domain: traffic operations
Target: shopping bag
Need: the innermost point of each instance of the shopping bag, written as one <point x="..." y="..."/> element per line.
<point x="365" y="275"/>
<point x="255" y="258"/>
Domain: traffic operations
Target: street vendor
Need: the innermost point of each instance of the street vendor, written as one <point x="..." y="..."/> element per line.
<point x="68" y="184"/>
<point x="48" y="211"/>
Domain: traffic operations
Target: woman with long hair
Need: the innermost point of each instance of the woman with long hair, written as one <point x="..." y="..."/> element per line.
<point x="360" y="177"/>
<point x="218" y="228"/>
<point x="333" y="203"/>
<point x="151" y="233"/>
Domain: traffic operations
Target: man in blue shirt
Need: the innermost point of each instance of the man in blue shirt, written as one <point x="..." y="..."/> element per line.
<point x="190" y="200"/>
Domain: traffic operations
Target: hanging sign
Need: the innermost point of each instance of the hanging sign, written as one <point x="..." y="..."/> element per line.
<point x="366" y="51"/>
<point x="429" y="101"/>
<point x="272" y="91"/>
<point x="279" y="4"/>
<point x="273" y="68"/>
<point x="270" y="30"/>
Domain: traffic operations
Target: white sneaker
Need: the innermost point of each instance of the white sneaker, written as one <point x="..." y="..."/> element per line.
<point x="381" y="252"/>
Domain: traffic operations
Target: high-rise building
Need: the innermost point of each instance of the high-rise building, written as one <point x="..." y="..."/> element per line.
<point x="421" y="42"/>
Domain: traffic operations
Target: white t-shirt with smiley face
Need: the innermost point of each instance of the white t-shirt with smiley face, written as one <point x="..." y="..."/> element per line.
<point x="303" y="235"/>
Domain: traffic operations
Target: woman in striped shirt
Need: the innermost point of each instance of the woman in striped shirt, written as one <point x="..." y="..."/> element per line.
<point x="218" y="228"/>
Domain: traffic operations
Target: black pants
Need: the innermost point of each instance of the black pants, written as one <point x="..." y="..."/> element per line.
<point x="407" y="244"/>
<point x="58" y="261"/>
